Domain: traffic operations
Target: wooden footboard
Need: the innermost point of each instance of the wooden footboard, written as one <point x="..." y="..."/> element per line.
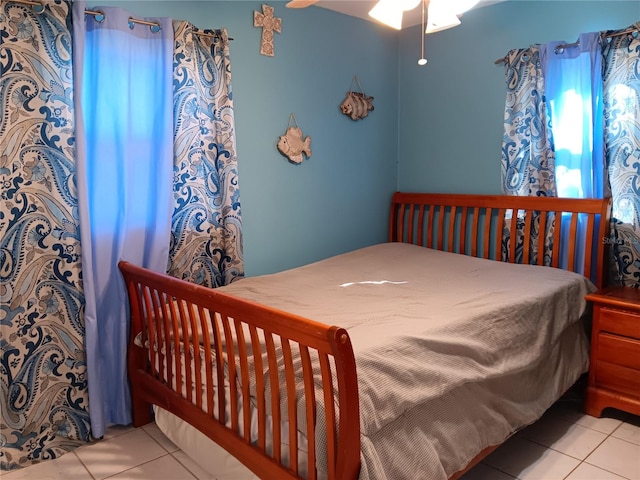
<point x="213" y="359"/>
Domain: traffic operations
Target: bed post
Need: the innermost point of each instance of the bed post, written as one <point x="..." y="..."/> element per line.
<point x="348" y="459"/>
<point x="136" y="356"/>
<point x="140" y="408"/>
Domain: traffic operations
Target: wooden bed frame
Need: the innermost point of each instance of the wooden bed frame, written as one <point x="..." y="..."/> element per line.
<point x="170" y="315"/>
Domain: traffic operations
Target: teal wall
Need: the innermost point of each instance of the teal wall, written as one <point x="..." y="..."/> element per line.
<point x="451" y="110"/>
<point x="338" y="199"/>
<point x="434" y="128"/>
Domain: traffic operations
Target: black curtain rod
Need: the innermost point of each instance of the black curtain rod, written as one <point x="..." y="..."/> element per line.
<point x="567" y="45"/>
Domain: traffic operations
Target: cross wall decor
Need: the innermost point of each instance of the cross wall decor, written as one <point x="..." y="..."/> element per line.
<point x="269" y="24"/>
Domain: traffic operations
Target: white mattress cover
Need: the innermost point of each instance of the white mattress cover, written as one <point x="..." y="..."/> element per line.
<point x="483" y="347"/>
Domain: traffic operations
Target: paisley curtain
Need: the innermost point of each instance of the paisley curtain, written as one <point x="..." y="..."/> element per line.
<point x="206" y="235"/>
<point x="528" y="156"/>
<point x="622" y="147"/>
<point x="43" y="397"/>
<point x="125" y="153"/>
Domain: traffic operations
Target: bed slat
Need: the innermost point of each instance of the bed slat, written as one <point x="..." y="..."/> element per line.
<point x="542" y="235"/>
<point x="291" y="404"/>
<point x="275" y="397"/>
<point x="310" y="420"/>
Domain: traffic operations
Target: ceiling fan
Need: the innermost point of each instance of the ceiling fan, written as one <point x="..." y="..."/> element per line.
<point x="442" y="14"/>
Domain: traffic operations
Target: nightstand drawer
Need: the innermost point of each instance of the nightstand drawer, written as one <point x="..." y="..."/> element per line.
<point x="620" y="322"/>
<point x="619" y="350"/>
<point x="617" y="378"/>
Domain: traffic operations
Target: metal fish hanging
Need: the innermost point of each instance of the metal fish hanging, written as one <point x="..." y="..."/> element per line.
<point x="356" y="105"/>
<point x="293" y="144"/>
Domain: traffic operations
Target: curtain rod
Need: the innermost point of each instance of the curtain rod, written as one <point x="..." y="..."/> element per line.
<point x="567" y="45"/>
<point x="152" y="25"/>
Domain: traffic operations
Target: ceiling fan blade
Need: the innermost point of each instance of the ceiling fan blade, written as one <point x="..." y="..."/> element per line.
<point x="300" y="3"/>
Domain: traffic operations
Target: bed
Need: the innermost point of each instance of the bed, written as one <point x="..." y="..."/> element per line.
<point x="411" y="358"/>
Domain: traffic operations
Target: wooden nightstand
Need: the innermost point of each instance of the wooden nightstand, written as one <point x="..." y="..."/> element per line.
<point x="614" y="371"/>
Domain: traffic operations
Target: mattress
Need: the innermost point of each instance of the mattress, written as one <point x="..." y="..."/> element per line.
<point x="453" y="353"/>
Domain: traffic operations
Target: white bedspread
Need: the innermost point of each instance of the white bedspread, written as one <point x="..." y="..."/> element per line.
<point x="453" y="353"/>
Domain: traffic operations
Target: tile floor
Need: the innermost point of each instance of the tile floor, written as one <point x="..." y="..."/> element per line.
<point x="565" y="444"/>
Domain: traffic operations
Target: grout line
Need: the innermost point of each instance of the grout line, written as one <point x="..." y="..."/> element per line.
<point x="185" y="466"/>
<point x="136" y="466"/>
<point x="608" y="471"/>
<point x="158" y="441"/>
<point x="82" y="463"/>
<point x="574" y="469"/>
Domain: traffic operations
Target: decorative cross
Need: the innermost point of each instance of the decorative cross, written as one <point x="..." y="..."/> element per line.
<point x="269" y="24"/>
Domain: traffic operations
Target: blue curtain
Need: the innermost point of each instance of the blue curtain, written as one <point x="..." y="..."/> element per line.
<point x="206" y="233"/>
<point x="124" y="152"/>
<point x="573" y="89"/>
<point x="43" y="386"/>
<point x="622" y="147"/>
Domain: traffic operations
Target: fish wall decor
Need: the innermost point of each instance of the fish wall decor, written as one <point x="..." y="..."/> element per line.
<point x="293" y="144"/>
<point x="357" y="104"/>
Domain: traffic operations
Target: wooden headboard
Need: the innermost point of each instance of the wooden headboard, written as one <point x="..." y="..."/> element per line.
<point x="481" y="226"/>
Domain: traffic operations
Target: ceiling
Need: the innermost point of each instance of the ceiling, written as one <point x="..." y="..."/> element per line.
<point x="360" y="8"/>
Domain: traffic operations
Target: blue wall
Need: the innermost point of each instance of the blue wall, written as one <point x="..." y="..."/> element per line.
<point x="451" y="110"/>
<point x="338" y="199"/>
<point x="434" y="128"/>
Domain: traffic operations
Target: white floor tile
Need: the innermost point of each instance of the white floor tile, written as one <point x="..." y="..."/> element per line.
<point x="153" y="430"/>
<point x="605" y="424"/>
<point x="617" y="456"/>
<point x="115" y="430"/>
<point x="571" y="439"/>
<point x="108" y="457"/>
<point x="485" y="472"/>
<point x="529" y="461"/>
<point x="192" y="466"/>
<point x="66" y="467"/>
<point x="163" y="468"/>
<point x="589" y="472"/>
<point x="628" y="432"/>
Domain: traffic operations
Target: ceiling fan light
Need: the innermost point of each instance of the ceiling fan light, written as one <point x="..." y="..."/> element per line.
<point x="387" y="12"/>
<point x="441" y="17"/>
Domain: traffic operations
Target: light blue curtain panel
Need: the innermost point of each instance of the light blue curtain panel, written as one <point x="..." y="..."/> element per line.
<point x="206" y="233"/>
<point x="572" y="74"/>
<point x="573" y="90"/>
<point x="622" y="147"/>
<point x="43" y="386"/>
<point x="125" y="155"/>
